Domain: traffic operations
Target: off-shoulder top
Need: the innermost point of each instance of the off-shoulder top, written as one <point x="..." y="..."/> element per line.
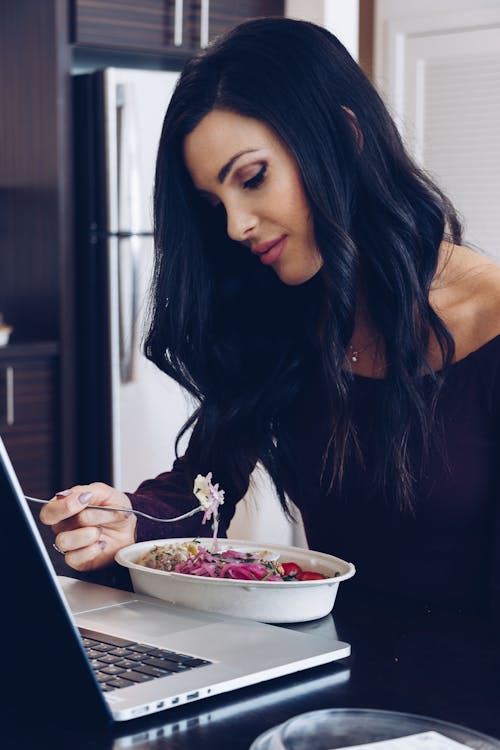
<point x="446" y="553"/>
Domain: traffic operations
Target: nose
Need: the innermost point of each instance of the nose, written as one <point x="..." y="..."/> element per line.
<point x="241" y="222"/>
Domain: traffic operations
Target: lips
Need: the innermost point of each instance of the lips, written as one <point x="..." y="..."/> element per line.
<point x="269" y="252"/>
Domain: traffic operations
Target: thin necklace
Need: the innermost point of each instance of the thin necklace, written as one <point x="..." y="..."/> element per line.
<point x="354" y="352"/>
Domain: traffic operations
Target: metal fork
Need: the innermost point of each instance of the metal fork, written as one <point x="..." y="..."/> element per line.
<point x="128" y="510"/>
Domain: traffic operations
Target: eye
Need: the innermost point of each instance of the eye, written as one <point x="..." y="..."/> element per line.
<point x="209" y="199"/>
<point x="257" y="180"/>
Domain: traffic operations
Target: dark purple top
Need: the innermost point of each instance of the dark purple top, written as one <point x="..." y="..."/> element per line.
<point x="446" y="553"/>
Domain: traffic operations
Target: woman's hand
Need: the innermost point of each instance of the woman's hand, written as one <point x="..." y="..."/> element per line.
<point x="89" y="538"/>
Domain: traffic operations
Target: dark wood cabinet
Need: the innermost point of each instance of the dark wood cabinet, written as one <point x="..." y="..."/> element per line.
<point x="36" y="272"/>
<point x="39" y="45"/>
<point x="224" y="14"/>
<point x="178" y="27"/>
<point x="29" y="414"/>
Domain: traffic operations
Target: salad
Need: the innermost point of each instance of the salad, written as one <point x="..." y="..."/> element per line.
<point x="192" y="558"/>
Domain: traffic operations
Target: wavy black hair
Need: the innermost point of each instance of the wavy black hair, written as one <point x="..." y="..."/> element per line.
<point x="242" y="342"/>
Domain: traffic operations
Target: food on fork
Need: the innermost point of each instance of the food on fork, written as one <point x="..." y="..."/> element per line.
<point x="210" y="497"/>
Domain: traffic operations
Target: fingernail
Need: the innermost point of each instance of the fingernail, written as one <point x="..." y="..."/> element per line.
<point x="63" y="493"/>
<point x="102" y="544"/>
<point x="84" y="497"/>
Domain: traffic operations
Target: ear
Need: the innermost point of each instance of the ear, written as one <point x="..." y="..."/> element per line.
<point x="353" y="121"/>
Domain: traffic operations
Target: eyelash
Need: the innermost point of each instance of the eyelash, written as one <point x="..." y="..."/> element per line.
<point x="256" y="181"/>
<point x="252" y="184"/>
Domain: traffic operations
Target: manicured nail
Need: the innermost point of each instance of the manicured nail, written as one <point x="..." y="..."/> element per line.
<point x="63" y="493"/>
<point x="84" y="497"/>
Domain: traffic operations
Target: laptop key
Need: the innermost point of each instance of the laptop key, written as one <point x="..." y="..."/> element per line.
<point x="124" y="652"/>
<point x="101" y="677"/>
<point x="170" y="655"/>
<point x="97" y="664"/>
<point x="102" y="647"/>
<point x="140" y="648"/>
<point x="117" y="682"/>
<point x="127" y="664"/>
<point x="89" y="642"/>
<point x="108" y="659"/>
<point x="152" y="671"/>
<point x="138" y="657"/>
<point x="135" y="676"/>
<point x="158" y="663"/>
<point x="170" y="666"/>
<point x="110" y="640"/>
<point x="196" y="662"/>
<point x="112" y="669"/>
<point x="93" y="654"/>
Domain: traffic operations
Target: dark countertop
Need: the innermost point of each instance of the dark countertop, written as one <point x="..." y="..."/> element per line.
<point x="442" y="665"/>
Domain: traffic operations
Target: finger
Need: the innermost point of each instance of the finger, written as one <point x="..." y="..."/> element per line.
<point x="69" y="524"/>
<point x="94" y="556"/>
<point x="96" y="517"/>
<point x="91" y="517"/>
<point x="68" y="541"/>
<point x="64" y="505"/>
<point x="108" y="520"/>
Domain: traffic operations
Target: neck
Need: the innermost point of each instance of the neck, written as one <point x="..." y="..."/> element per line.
<point x="365" y="353"/>
<point x="364" y="329"/>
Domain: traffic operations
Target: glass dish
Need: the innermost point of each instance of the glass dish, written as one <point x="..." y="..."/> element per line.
<point x="334" y="728"/>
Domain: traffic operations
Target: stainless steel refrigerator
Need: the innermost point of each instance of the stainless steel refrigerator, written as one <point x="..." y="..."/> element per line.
<point x="128" y="412"/>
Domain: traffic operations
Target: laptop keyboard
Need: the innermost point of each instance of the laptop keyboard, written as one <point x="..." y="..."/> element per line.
<point x="119" y="663"/>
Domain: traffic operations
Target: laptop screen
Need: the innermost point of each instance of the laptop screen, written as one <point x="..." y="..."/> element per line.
<point x="46" y="670"/>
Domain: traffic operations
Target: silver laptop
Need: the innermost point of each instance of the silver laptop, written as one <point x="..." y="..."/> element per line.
<point x="78" y="651"/>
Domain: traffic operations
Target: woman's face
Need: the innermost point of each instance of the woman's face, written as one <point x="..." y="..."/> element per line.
<point x="240" y="163"/>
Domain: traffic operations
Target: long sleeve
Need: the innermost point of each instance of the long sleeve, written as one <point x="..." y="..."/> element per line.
<point x="170" y="494"/>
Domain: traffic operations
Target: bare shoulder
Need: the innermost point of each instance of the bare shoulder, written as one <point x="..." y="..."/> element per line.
<point x="466" y="294"/>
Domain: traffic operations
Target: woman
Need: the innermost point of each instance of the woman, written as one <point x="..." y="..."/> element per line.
<point x="312" y="294"/>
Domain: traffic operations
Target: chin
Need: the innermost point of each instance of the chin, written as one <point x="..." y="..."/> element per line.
<point x="297" y="276"/>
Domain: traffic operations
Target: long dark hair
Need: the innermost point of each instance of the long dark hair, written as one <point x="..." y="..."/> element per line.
<point x="239" y="340"/>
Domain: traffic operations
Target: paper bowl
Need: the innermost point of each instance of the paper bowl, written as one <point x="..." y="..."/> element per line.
<point x="265" y="601"/>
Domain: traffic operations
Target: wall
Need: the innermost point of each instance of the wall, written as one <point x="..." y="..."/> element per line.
<point x="341" y="17"/>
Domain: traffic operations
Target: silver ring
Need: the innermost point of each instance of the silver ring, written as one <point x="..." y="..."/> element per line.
<point x="57" y="549"/>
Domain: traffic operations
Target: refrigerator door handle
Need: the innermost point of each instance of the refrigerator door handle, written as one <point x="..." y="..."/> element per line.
<point x="178" y="11"/>
<point x="204" y="18"/>
<point x="128" y="305"/>
<point x="129" y="199"/>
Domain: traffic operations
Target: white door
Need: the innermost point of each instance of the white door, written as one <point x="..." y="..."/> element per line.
<point x="441" y="77"/>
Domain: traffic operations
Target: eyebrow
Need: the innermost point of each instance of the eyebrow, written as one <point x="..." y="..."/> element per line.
<point x="226" y="168"/>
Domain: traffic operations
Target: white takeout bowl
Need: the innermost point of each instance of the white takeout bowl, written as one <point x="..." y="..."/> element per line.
<point x="266" y="601"/>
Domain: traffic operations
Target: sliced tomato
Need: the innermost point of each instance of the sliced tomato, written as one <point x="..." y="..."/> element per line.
<point x="291" y="569"/>
<point x="310" y="575"/>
